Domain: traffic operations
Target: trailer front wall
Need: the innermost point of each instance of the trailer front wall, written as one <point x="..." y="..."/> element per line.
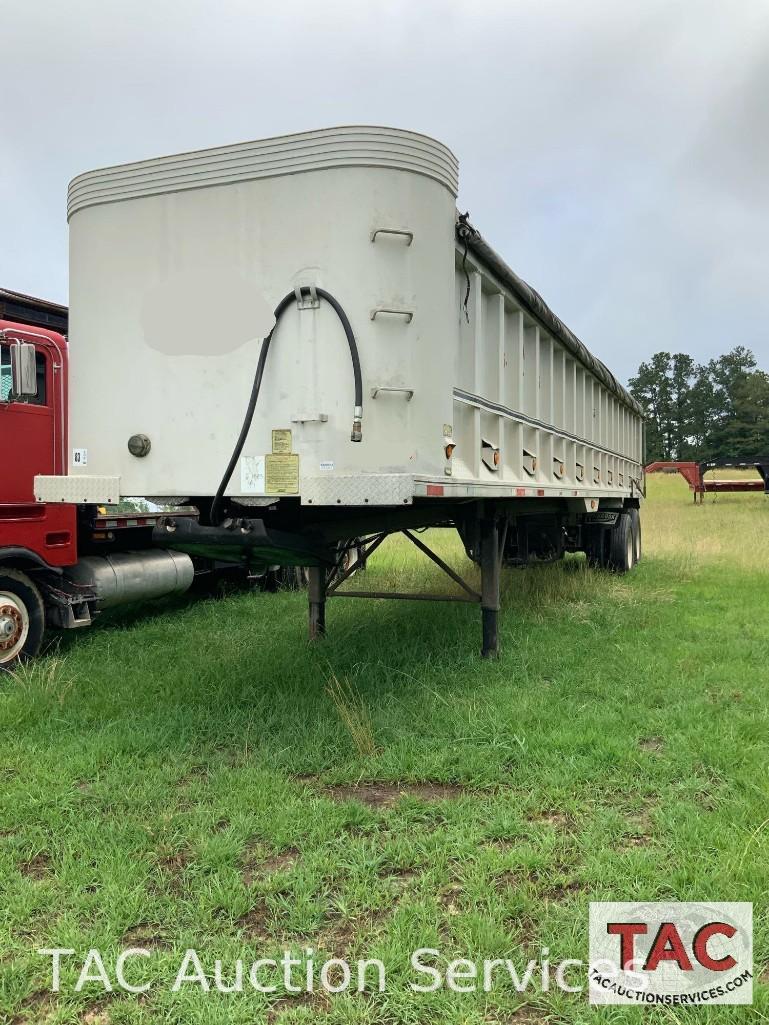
<point x="176" y="266"/>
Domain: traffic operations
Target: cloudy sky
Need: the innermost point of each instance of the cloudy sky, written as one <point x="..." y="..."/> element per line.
<point x="615" y="152"/>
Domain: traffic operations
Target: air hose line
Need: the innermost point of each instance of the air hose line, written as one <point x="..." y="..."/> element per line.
<point x="357" y="433"/>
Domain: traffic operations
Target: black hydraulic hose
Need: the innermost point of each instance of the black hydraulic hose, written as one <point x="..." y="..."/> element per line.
<point x="356" y="434"/>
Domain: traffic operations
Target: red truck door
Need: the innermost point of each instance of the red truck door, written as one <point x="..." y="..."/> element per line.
<point x="31" y="430"/>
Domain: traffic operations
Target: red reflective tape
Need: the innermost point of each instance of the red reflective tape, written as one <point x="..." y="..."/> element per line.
<point x="436" y="490"/>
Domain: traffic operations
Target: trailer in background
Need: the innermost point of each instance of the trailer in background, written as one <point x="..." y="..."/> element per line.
<point x="412" y="378"/>
<point x="694" y="474"/>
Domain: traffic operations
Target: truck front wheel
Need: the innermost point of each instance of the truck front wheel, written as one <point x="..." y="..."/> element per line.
<point x="22" y="618"/>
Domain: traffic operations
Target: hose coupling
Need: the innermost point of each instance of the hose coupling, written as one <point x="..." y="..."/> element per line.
<point x="357" y="429"/>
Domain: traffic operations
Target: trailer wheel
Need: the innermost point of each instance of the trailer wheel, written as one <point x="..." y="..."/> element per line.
<point x="22" y="618"/>
<point x="622" y="545"/>
<point x="635" y="517"/>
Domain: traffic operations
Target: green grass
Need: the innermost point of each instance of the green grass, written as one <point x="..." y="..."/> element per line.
<point x="182" y="777"/>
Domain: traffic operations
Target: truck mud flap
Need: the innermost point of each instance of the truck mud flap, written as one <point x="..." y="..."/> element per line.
<point x="242" y="541"/>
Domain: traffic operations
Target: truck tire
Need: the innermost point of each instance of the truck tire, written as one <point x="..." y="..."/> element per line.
<point x="622" y="545"/>
<point x="635" y="516"/>
<point x="22" y="618"/>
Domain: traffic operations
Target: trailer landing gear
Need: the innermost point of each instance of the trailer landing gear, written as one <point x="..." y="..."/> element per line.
<point x="491" y="558"/>
<point x="325" y="584"/>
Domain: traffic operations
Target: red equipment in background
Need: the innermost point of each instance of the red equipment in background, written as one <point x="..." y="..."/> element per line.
<point x="694" y="475"/>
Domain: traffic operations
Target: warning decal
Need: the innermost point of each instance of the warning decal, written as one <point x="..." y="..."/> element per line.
<point x="281" y="474"/>
<point x="281" y="442"/>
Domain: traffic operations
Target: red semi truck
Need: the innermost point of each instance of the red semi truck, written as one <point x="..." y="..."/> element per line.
<point x="59" y="564"/>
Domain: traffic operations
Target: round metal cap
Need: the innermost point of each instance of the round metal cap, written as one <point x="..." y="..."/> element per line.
<point x="139" y="444"/>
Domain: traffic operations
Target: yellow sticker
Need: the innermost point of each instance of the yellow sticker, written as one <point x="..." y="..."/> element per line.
<point x="281" y="474"/>
<point x="281" y="442"/>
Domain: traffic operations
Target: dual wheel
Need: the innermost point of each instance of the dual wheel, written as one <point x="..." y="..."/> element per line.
<point x="22" y="618"/>
<point x="619" y="547"/>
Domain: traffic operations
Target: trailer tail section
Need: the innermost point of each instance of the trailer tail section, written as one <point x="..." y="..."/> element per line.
<point x="369" y="364"/>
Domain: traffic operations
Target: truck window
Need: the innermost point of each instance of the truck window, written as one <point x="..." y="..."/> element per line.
<point x="5" y="377"/>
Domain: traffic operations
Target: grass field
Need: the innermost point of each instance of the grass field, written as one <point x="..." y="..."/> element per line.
<point x="197" y="776"/>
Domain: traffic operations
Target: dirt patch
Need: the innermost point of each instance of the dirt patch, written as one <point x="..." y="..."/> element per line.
<point x="281" y="862"/>
<point x="255" y="923"/>
<point x="96" y="1015"/>
<point x="384" y="795"/>
<point x="502" y="844"/>
<point x="174" y="862"/>
<point x="560" y="892"/>
<point x="196" y="772"/>
<point x="640" y="840"/>
<point x="318" y="1002"/>
<point x="37" y="868"/>
<point x="450" y="898"/>
<point x="145" y="936"/>
<point x="640" y="828"/>
<point x="398" y="875"/>
<point x="557" y="819"/>
<point x="507" y="881"/>
<point x="523" y="1016"/>
<point x="338" y="936"/>
<point x="35" y="1008"/>
<point x="652" y="745"/>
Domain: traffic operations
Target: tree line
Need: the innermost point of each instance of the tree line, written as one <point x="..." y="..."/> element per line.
<point x="717" y="410"/>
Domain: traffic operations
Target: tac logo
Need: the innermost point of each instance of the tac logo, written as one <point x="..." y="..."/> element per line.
<point x="671" y="953"/>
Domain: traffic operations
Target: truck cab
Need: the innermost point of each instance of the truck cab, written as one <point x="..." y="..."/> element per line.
<point x="34" y="536"/>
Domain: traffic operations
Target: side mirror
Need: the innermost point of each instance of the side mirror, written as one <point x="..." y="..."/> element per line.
<point x="23" y="371"/>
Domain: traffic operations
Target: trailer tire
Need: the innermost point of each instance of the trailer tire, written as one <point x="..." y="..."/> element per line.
<point x="22" y="618"/>
<point x="635" y="516"/>
<point x="622" y="545"/>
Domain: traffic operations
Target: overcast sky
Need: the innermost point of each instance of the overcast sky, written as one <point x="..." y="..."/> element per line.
<point x="615" y="153"/>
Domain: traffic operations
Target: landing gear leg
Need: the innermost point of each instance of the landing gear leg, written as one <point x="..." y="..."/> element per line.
<point x="317" y="591"/>
<point x="490" y="565"/>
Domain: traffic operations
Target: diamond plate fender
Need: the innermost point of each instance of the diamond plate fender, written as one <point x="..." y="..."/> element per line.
<point x="77" y="490"/>
<point x="359" y="489"/>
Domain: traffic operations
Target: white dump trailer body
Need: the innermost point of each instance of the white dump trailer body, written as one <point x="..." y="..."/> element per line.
<point x="176" y="265"/>
<point x="295" y="332"/>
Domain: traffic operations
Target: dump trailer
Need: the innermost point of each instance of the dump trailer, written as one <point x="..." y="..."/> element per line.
<point x="301" y="337"/>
